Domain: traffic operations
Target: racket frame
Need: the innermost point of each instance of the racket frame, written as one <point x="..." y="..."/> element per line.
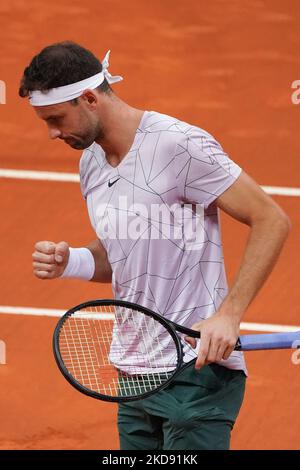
<point x="244" y="343"/>
<point x="168" y="325"/>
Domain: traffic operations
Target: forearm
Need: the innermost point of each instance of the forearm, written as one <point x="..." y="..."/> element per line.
<point x="264" y="244"/>
<point x="103" y="271"/>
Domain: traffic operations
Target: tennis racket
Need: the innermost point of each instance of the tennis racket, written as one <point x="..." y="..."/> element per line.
<point x="119" y="351"/>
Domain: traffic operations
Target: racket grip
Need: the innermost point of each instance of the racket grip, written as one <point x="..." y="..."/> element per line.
<point x="268" y="341"/>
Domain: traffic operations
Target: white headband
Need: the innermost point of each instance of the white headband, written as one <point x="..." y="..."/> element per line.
<point x="72" y="91"/>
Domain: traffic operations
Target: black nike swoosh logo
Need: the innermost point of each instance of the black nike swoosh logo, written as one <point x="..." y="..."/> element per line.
<point x="110" y="184"/>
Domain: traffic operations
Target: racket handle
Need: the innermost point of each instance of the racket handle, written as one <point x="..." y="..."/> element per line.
<point x="268" y="341"/>
<point x="256" y="342"/>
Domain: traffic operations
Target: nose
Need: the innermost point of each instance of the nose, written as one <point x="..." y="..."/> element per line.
<point x="54" y="133"/>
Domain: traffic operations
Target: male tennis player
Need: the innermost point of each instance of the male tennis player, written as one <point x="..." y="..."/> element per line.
<point x="134" y="161"/>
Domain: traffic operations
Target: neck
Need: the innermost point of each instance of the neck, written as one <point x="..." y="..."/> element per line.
<point x="119" y="124"/>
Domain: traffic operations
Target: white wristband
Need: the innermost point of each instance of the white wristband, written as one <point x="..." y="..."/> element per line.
<point x="81" y="264"/>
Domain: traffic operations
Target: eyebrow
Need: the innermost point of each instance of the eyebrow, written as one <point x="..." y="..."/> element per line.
<point x="53" y="117"/>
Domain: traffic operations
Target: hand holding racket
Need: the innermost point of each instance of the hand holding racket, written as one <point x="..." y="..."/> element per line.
<point x="219" y="334"/>
<point x="119" y="351"/>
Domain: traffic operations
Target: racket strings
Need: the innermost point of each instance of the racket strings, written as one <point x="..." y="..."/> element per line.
<point x="116" y="351"/>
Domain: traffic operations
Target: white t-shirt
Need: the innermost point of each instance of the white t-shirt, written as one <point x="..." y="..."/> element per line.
<point x="156" y="217"/>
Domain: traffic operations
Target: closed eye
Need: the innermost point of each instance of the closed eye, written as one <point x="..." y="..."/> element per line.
<point x="52" y="119"/>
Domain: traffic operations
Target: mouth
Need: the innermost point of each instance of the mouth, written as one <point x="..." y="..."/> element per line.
<point x="75" y="144"/>
<point x="70" y="141"/>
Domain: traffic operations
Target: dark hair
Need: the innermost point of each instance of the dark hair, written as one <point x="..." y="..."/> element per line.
<point x="60" y="64"/>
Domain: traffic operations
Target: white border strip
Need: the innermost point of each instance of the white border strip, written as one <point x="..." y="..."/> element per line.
<point x="74" y="178"/>
<point x="48" y="312"/>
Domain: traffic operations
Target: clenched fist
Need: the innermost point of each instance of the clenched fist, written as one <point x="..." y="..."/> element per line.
<point x="50" y="259"/>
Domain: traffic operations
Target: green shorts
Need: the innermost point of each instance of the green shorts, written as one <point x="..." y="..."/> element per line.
<point x="196" y="411"/>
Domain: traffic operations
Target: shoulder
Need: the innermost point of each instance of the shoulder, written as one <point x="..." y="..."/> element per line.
<point x="157" y="122"/>
<point x="183" y="132"/>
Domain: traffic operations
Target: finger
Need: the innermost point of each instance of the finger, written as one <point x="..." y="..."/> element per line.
<point x="43" y="267"/>
<point x="42" y="274"/>
<point x="228" y="351"/>
<point x="43" y="258"/>
<point x="220" y="352"/>
<point x="203" y="352"/>
<point x="191" y="341"/>
<point x="61" y="251"/>
<point x="45" y="247"/>
<point x="214" y="347"/>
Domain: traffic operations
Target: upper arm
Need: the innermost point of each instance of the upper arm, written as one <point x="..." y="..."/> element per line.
<point x="203" y="169"/>
<point x="246" y="202"/>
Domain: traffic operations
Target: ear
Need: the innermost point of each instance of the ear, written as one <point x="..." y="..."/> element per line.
<point x="90" y="97"/>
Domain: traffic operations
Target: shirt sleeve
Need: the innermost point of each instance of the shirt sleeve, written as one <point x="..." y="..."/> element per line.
<point x="203" y="170"/>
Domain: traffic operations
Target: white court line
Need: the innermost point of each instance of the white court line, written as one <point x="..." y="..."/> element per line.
<point x="40" y="175"/>
<point x="74" y="178"/>
<point x="49" y="312"/>
<point x="281" y="191"/>
<point x="268" y="327"/>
